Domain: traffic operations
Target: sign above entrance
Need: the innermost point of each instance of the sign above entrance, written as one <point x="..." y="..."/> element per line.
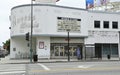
<point x="65" y="23"/>
<point x="41" y="45"/>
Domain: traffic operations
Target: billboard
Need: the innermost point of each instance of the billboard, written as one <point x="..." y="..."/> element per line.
<point x="89" y="4"/>
<point x="65" y="23"/>
<point x="94" y="3"/>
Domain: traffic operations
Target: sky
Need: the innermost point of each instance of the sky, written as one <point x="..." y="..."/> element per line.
<point x="5" y="10"/>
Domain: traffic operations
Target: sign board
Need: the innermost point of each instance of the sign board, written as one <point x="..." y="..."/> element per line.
<point x="65" y="23"/>
<point x="41" y="45"/>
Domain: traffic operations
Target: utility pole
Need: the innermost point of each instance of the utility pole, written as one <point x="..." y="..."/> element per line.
<point x="68" y="30"/>
<point x="31" y="50"/>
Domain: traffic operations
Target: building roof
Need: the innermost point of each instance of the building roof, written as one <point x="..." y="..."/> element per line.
<point x="51" y="5"/>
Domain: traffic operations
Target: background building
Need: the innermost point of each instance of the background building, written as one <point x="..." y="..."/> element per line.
<point x="104" y="5"/>
<point x="96" y="33"/>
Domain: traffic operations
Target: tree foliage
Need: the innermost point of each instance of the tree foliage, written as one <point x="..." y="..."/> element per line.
<point x="6" y="45"/>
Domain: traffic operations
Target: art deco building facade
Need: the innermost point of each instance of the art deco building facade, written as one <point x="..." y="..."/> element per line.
<point x="96" y="33"/>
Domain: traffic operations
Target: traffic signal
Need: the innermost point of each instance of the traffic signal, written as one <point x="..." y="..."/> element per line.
<point x="27" y="36"/>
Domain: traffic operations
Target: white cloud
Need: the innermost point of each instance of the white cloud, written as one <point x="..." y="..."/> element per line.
<point x="72" y="3"/>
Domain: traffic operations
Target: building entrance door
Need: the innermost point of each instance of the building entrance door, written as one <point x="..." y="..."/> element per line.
<point x="73" y="50"/>
<point x="63" y="51"/>
<point x="59" y="50"/>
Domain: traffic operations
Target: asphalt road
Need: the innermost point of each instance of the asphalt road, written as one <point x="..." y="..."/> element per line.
<point x="62" y="68"/>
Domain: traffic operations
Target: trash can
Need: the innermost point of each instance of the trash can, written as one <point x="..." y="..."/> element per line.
<point x="35" y="58"/>
<point x="108" y="56"/>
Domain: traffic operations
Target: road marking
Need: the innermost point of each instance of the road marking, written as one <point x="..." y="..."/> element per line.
<point x="12" y="72"/>
<point x="79" y="69"/>
<point x="85" y="66"/>
<point x="45" y="67"/>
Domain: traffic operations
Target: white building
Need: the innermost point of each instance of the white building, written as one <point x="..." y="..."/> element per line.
<point x="96" y="33"/>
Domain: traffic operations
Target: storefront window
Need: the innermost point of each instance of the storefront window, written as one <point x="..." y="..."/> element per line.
<point x="114" y="49"/>
<point x="106" y="49"/>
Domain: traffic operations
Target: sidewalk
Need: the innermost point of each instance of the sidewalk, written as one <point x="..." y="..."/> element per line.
<point x="7" y="60"/>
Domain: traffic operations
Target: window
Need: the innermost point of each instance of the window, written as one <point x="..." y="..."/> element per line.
<point x="96" y="24"/>
<point x="114" y="49"/>
<point x="106" y="49"/>
<point x="115" y="25"/>
<point x="106" y="24"/>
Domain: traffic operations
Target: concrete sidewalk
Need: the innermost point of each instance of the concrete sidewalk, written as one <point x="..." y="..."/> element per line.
<point x="25" y="61"/>
<point x="7" y="60"/>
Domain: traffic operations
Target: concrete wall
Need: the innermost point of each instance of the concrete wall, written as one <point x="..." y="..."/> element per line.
<point x="45" y="20"/>
<point x="19" y="48"/>
<point x="45" y="24"/>
<point x="43" y="47"/>
<point x="102" y="35"/>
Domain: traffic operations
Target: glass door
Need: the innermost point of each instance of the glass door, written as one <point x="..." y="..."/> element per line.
<point x="56" y="50"/>
<point x="73" y="50"/>
<point x="59" y="50"/>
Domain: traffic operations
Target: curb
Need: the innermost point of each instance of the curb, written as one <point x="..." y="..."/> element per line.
<point x="61" y="61"/>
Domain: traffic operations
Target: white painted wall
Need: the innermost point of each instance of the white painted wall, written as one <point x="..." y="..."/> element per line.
<point x="45" y="26"/>
<point x="45" y="20"/>
<point x="22" y="50"/>
<point x="102" y="35"/>
<point x="45" y="51"/>
<point x="103" y="16"/>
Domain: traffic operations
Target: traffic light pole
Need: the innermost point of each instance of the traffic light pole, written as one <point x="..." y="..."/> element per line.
<point x="68" y="38"/>
<point x="31" y="50"/>
<point x="68" y="48"/>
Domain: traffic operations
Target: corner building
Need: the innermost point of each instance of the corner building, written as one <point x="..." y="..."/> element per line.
<point x="96" y="33"/>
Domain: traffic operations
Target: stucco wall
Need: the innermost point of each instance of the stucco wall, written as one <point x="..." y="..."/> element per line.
<point x="45" y="26"/>
<point x="45" y="20"/>
<point x="19" y="48"/>
<point x="43" y="47"/>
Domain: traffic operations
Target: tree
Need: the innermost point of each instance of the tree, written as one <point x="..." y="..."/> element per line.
<point x="6" y="45"/>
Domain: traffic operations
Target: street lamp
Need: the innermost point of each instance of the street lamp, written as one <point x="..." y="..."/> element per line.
<point x="68" y="30"/>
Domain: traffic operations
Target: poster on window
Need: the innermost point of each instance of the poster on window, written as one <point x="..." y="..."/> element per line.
<point x="41" y="45"/>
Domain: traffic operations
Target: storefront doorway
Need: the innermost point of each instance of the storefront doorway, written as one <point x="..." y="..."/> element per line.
<point x="61" y="50"/>
<point x="102" y="50"/>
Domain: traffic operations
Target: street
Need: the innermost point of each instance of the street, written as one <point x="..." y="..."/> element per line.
<point x="62" y="68"/>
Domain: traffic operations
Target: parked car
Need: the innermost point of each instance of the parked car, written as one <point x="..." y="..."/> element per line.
<point x="2" y="53"/>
